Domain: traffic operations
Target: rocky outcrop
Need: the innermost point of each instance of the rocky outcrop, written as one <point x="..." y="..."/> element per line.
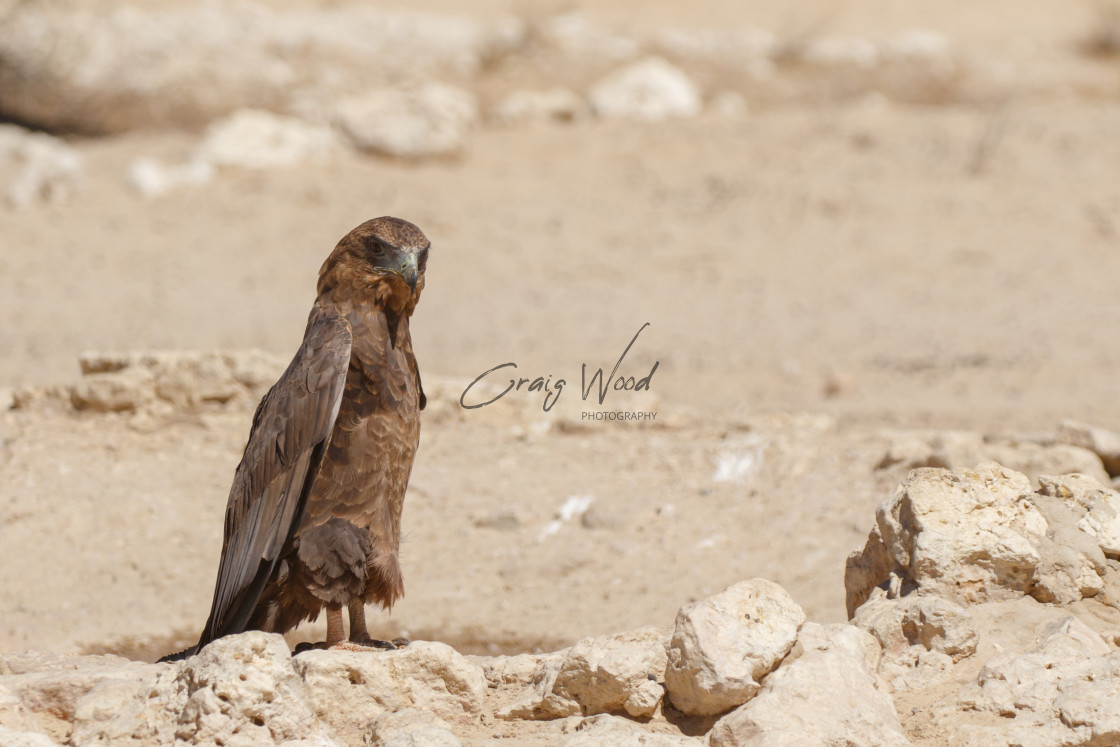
<point x="241" y="690"/>
<point x="179" y="381"/>
<point x="997" y="603"/>
<point x="247" y="689"/>
<point x="1063" y="690"/>
<point x="983" y="534"/>
<point x="972" y="627"/>
<point x="1045" y="454"/>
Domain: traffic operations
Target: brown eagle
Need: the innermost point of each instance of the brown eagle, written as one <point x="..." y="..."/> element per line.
<point x="313" y="518"/>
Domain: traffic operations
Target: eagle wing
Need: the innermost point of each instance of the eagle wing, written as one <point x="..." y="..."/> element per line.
<point x="291" y="431"/>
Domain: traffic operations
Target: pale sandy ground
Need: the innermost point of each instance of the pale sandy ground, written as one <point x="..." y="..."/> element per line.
<point x="813" y="275"/>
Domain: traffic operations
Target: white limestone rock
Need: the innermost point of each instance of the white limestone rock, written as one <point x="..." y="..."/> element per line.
<point x="825" y="694"/>
<point x="724" y="645"/>
<point x="1101" y="441"/>
<point x="540" y="699"/>
<point x="50" y="692"/>
<point x="432" y="120"/>
<point x="242" y="690"/>
<point x="15" y="715"/>
<point x="425" y="675"/>
<point x="180" y="381"/>
<point x="649" y="90"/>
<point x="956" y="450"/>
<point x="933" y="623"/>
<point x="971" y="536"/>
<point x="150" y="177"/>
<point x="410" y="727"/>
<point x="258" y="139"/>
<point x="13" y="738"/>
<point x="1063" y="691"/>
<point x="620" y="672"/>
<point x="1097" y="507"/>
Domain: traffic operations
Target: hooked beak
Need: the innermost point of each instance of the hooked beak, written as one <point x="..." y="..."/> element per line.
<point x="409" y="271"/>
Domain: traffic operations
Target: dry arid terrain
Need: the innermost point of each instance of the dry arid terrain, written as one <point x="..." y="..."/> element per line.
<point x="865" y="237"/>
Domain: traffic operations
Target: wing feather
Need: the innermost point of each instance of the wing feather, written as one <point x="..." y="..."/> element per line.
<point x="291" y="431"/>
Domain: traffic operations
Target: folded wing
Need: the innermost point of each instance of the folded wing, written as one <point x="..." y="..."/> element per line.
<point x="291" y="431"/>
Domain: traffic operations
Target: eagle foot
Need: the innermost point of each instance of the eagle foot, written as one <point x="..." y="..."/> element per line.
<point x="368" y="644"/>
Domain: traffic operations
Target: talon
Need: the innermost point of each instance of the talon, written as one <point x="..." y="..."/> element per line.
<point x="401" y="642"/>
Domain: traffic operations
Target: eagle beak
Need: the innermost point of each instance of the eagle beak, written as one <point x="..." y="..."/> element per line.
<point x="409" y="271"/>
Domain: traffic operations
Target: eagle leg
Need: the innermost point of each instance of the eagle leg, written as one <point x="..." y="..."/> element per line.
<point x="359" y="634"/>
<point x="358" y="630"/>
<point x="335" y="633"/>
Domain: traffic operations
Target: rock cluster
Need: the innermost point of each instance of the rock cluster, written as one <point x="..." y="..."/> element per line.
<point x="247" y="689"/>
<point x="82" y="70"/>
<point x="991" y="597"/>
<point x="1059" y="452"/>
<point x="65" y="69"/>
<point x="172" y="381"/>
<point x="278" y="86"/>
<point x="984" y="534"/>
<point x="984" y="610"/>
<point x="248" y="138"/>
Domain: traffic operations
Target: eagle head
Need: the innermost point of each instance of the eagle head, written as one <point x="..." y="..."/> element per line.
<point x="384" y="256"/>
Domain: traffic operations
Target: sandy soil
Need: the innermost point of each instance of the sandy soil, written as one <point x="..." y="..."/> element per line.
<point x="815" y="277"/>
